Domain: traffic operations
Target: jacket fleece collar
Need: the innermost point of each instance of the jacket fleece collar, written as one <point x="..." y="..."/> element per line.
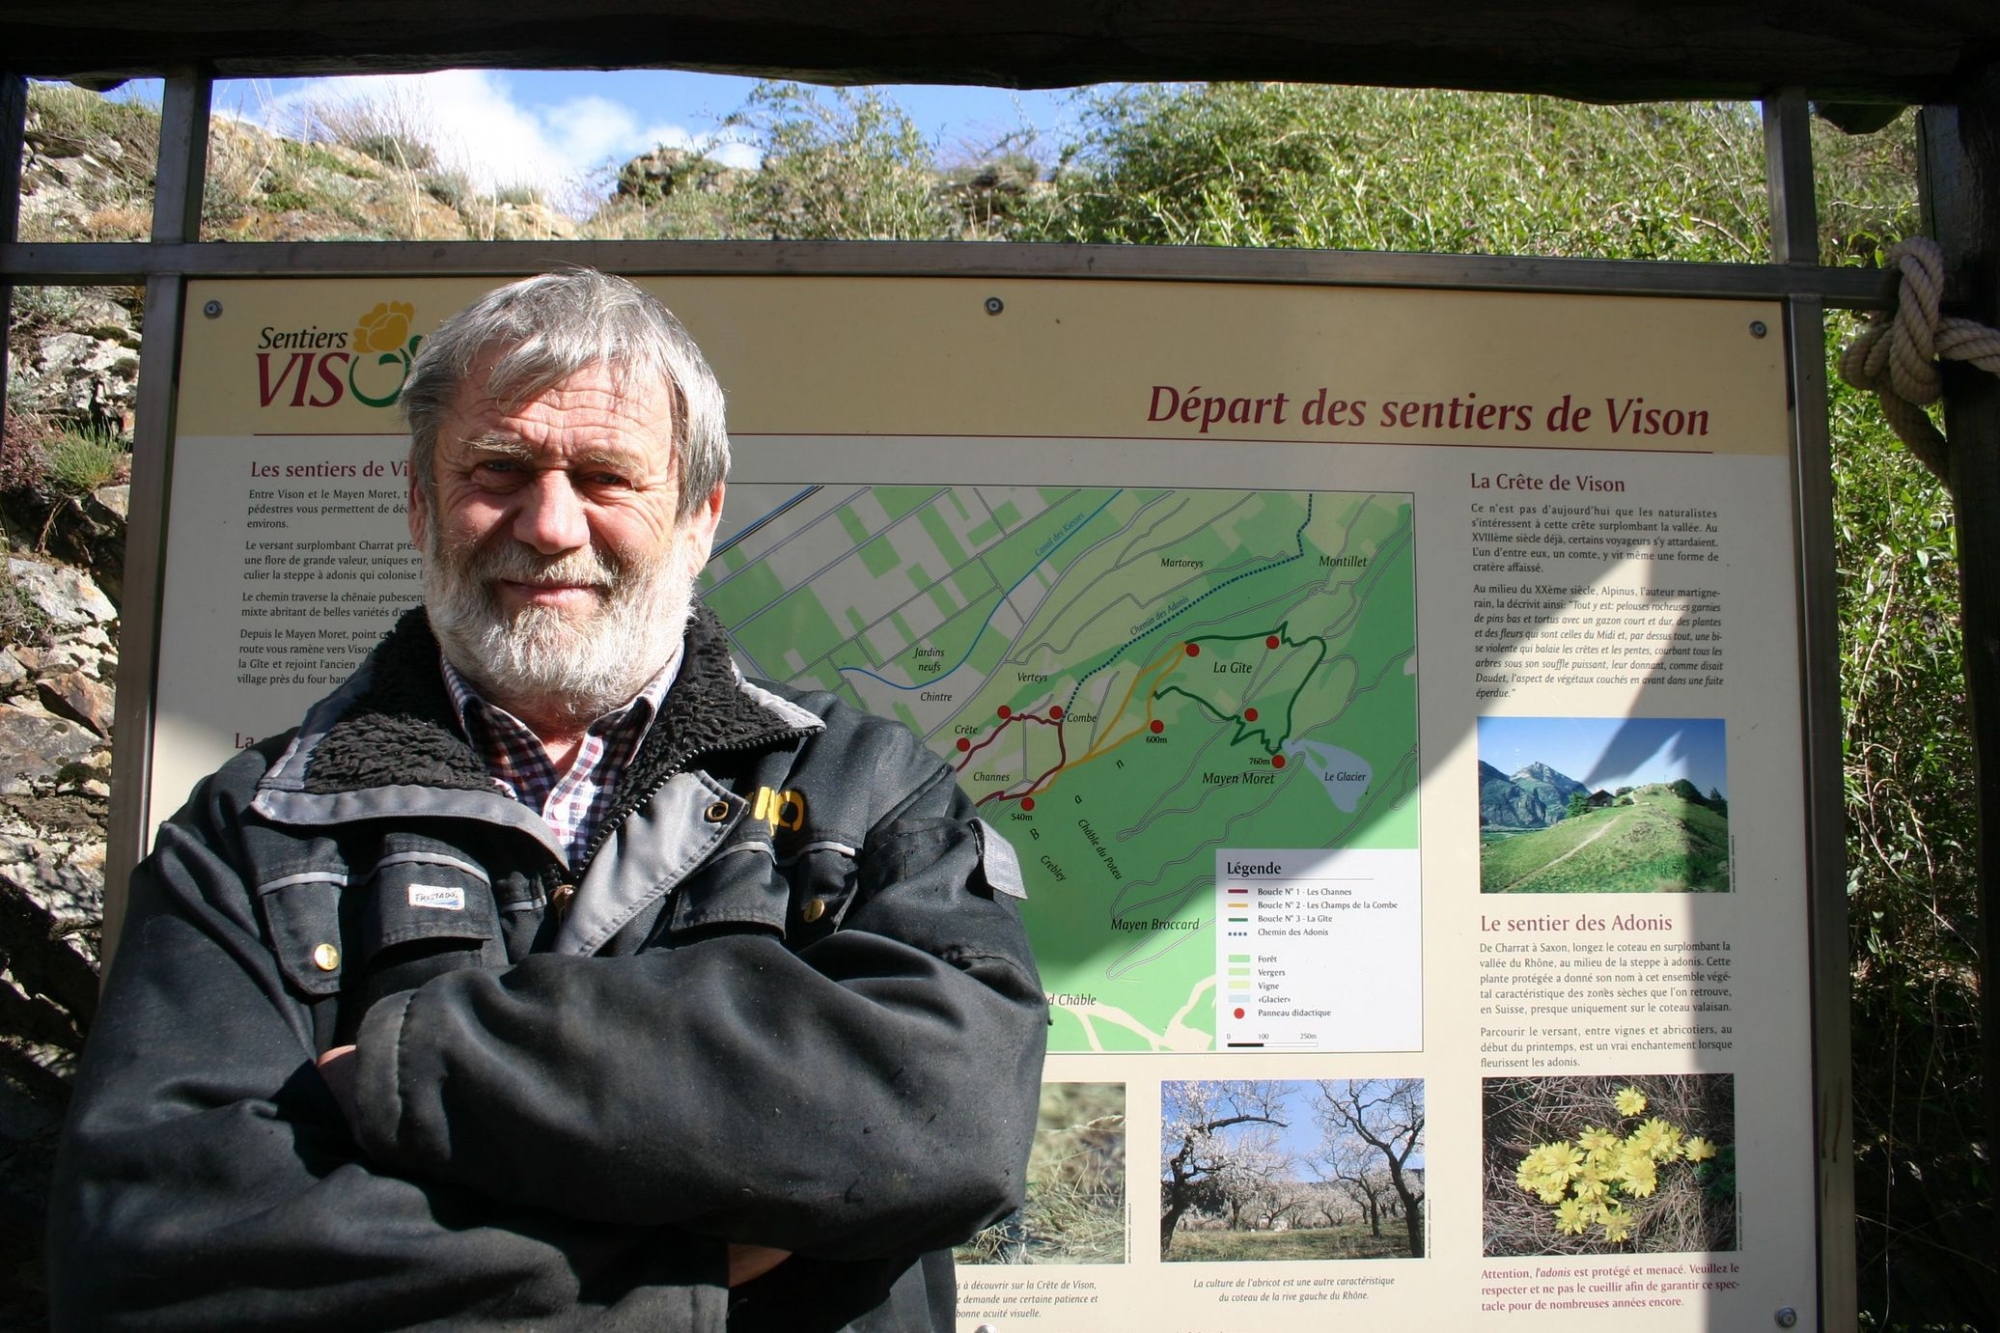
<point x="399" y="728"/>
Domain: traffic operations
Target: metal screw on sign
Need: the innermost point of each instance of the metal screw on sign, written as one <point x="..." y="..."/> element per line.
<point x="1758" y="328"/>
<point x="1787" y="1316"/>
<point x="986" y="1328"/>
<point x="994" y="305"/>
<point x="211" y="308"/>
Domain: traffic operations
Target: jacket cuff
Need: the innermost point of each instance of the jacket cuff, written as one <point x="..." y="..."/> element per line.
<point x="378" y="1098"/>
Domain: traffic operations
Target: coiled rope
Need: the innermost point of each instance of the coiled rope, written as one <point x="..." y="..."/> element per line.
<point x="1896" y="356"/>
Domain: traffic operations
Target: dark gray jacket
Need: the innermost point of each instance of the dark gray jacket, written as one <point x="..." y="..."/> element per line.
<point x="792" y="1005"/>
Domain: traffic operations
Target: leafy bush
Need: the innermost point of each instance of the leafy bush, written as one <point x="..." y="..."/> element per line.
<point x="839" y="164"/>
<point x="1386" y="169"/>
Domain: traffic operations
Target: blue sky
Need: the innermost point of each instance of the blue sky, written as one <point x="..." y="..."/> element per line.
<point x="559" y="129"/>
<point x="1611" y="752"/>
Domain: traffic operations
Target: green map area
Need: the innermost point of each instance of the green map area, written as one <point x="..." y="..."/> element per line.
<point x="1128" y="681"/>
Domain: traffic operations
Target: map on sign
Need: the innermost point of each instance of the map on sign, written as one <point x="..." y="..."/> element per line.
<point x="1128" y="681"/>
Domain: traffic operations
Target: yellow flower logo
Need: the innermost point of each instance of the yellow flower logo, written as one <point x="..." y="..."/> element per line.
<point x="385" y="328"/>
<point x="383" y="348"/>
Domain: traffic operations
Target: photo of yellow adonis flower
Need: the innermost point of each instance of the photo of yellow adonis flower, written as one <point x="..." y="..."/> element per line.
<point x="385" y="328"/>
<point x="1599" y="1143"/>
<point x="1586" y="1165"/>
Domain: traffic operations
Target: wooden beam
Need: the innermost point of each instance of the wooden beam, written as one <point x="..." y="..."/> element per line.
<point x="117" y="262"/>
<point x="1859" y="51"/>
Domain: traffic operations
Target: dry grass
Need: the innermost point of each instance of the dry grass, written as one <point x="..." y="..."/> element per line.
<point x="1075" y="1213"/>
<point x="1299" y="1244"/>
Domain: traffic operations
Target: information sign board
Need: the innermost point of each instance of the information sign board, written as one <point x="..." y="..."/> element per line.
<point x="1468" y="982"/>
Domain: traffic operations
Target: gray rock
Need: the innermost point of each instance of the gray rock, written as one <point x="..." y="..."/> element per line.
<point x="86" y="376"/>
<point x="67" y="595"/>
<point x="73" y="694"/>
<point x="35" y="744"/>
<point x="12" y="673"/>
<point x="64" y="879"/>
<point x="117" y="500"/>
<point x="71" y="655"/>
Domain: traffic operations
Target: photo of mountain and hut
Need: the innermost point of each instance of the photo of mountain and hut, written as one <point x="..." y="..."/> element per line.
<point x="1603" y="805"/>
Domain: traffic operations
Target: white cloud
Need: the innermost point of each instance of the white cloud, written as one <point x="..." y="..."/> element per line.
<point x="476" y="125"/>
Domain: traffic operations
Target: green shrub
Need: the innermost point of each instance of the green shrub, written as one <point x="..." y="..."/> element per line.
<point x="396" y="150"/>
<point x="839" y="164"/>
<point x="78" y="461"/>
<point x="449" y="188"/>
<point x="520" y="195"/>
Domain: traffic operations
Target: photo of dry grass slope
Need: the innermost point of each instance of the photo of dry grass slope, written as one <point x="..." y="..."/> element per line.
<point x="1075" y="1213"/>
<point x="1610" y="1165"/>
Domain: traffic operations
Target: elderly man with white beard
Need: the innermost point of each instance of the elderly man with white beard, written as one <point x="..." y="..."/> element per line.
<point x="551" y="974"/>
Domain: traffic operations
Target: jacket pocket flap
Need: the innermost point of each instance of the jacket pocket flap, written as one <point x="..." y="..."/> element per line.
<point x="301" y="914"/>
<point x="420" y="894"/>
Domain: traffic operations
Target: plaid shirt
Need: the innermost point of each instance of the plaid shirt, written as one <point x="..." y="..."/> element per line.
<point x="574" y="803"/>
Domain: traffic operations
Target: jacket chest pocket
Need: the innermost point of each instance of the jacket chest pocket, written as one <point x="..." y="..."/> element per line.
<point x="752" y="885"/>
<point x="419" y="910"/>
<point x="422" y="911"/>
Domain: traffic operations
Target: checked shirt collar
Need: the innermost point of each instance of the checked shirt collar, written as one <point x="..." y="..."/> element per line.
<point x="574" y="802"/>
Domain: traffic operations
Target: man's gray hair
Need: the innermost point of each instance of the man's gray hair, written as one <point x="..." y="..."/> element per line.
<point x="547" y="329"/>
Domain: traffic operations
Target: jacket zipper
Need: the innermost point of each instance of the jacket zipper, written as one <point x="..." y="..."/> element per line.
<point x="761" y="741"/>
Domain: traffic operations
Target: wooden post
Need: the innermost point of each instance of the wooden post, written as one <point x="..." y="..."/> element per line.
<point x="13" y="141"/>
<point x="1788" y="175"/>
<point x="183" y="163"/>
<point x="1961" y="185"/>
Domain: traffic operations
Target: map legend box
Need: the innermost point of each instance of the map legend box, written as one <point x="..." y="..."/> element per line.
<point x="1319" y="950"/>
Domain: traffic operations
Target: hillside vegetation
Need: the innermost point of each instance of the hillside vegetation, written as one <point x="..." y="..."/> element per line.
<point x="1251" y="165"/>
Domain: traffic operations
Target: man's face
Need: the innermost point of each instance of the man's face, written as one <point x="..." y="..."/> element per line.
<point x="555" y="574"/>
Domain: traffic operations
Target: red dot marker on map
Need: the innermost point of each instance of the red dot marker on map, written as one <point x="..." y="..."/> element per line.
<point x="1194" y="650"/>
<point x="1271" y="641"/>
<point x="1027" y="802"/>
<point x="1249" y="715"/>
<point x="1277" y="761"/>
<point x="1239" y="1013"/>
<point x="1055" y="712"/>
<point x="964" y="744"/>
<point x="1005" y="712"/>
<point x="1158" y="726"/>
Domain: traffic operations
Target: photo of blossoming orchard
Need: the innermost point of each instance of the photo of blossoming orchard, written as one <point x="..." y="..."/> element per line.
<point x="1610" y="1165"/>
